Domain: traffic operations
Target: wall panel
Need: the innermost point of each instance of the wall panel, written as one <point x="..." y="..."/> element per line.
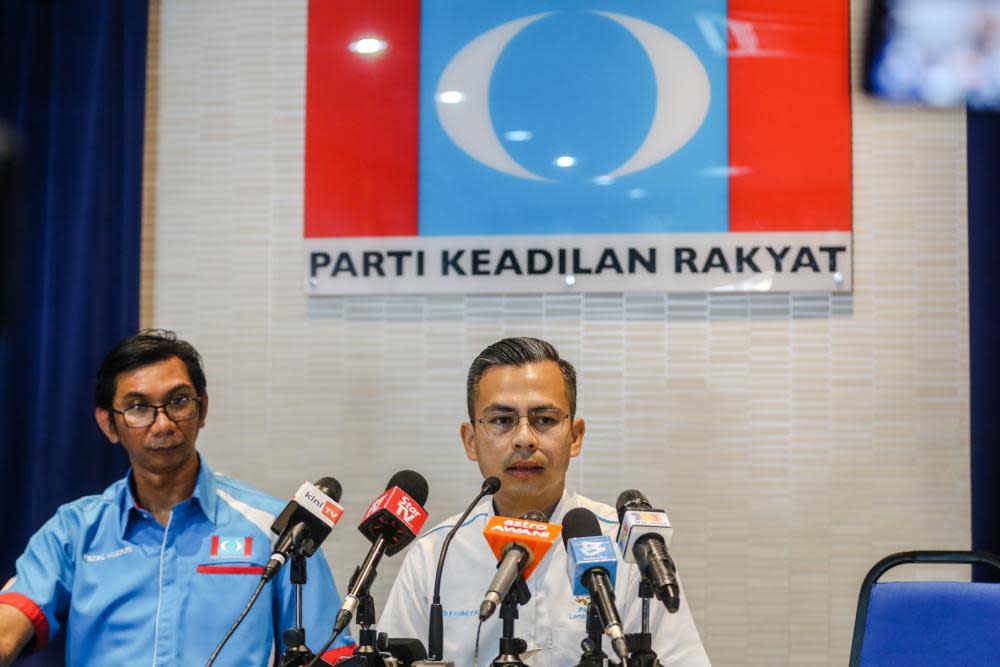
<point x="795" y="439"/>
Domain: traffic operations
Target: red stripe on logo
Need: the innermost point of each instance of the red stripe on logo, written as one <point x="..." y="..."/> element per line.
<point x="789" y="115"/>
<point x="230" y="569"/>
<point x="248" y="546"/>
<point x="215" y="545"/>
<point x="362" y="119"/>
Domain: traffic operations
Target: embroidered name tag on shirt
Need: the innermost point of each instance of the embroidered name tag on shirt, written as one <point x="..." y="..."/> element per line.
<point x="93" y="558"/>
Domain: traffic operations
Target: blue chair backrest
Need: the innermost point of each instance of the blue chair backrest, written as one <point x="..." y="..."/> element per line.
<point x="917" y="624"/>
<point x="932" y="623"/>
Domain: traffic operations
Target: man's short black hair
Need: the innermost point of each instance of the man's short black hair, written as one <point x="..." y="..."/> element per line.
<point x="518" y="352"/>
<point x="147" y="347"/>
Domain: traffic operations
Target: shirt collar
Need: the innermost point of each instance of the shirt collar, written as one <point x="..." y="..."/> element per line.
<point x="566" y="502"/>
<point x="204" y="493"/>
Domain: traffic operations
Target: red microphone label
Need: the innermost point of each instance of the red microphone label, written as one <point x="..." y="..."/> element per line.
<point x="377" y="504"/>
<point x="401" y="505"/>
<point x="407" y="509"/>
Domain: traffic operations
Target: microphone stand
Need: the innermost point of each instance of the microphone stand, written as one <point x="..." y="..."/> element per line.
<point x="371" y="643"/>
<point x="435" y="629"/>
<point x="640" y="644"/>
<point x="593" y="655"/>
<point x="295" y="638"/>
<point x="512" y="647"/>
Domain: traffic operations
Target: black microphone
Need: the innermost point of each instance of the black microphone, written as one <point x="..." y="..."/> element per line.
<point x="391" y="522"/>
<point x="591" y="564"/>
<point x="643" y="537"/>
<point x="305" y="522"/>
<point x="435" y="630"/>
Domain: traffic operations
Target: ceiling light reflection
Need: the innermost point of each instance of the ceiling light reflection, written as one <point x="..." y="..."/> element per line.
<point x="518" y="135"/>
<point x="451" y="97"/>
<point x="368" y="46"/>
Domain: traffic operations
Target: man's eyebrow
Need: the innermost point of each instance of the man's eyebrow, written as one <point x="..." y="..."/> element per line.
<point x="499" y="407"/>
<point x="132" y="395"/>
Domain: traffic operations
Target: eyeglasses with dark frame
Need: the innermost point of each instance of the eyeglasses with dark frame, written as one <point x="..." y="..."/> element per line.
<point x="544" y="421"/>
<point x="178" y="409"/>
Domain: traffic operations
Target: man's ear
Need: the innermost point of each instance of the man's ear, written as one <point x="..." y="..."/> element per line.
<point x="203" y="409"/>
<point x="107" y="423"/>
<point x="468" y="434"/>
<point x="576" y="444"/>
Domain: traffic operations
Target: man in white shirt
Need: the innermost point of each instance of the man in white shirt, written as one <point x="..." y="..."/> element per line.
<point x="524" y="430"/>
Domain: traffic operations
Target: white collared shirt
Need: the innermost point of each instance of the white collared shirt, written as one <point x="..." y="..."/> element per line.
<point x="553" y="622"/>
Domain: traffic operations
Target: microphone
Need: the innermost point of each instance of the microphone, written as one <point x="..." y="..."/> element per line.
<point x="643" y="537"/>
<point x="435" y="628"/>
<point x="591" y="564"/>
<point x="391" y="522"/>
<point x="305" y="522"/>
<point x="519" y="545"/>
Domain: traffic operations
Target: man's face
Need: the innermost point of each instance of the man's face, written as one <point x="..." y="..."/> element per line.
<point x="531" y="466"/>
<point x="165" y="445"/>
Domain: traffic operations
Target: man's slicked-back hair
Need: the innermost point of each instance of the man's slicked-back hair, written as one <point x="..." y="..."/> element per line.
<point x="147" y="347"/>
<point x="518" y="352"/>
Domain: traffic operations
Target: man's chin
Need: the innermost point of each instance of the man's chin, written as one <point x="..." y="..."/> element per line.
<point x="521" y="484"/>
<point x="164" y="460"/>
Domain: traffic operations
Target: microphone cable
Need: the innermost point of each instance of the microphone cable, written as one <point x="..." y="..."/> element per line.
<point x="243" y="614"/>
<point x="326" y="646"/>
<point x="475" y="656"/>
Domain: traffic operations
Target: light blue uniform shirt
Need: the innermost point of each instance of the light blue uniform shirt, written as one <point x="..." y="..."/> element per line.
<point x="127" y="590"/>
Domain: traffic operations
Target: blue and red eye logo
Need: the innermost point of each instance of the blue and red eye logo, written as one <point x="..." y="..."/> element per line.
<point x="556" y="118"/>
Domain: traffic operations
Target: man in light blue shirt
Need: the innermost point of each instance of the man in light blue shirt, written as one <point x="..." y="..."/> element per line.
<point x="155" y="569"/>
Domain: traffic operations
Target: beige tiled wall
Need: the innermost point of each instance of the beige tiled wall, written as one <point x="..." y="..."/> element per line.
<point x="794" y="439"/>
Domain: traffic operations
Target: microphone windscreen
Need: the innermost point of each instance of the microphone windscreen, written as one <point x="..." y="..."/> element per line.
<point x="411" y="482"/>
<point x="491" y="485"/>
<point x="630" y="499"/>
<point x="580" y="522"/>
<point x="534" y="515"/>
<point x="330" y="487"/>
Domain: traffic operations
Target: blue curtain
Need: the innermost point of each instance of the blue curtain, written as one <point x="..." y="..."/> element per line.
<point x="984" y="331"/>
<point x="72" y="79"/>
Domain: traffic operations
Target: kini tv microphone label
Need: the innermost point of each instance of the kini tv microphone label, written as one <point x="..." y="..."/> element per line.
<point x="537" y="537"/>
<point x="587" y="553"/>
<point x="636" y="523"/>
<point x="322" y="506"/>
<point x="396" y="501"/>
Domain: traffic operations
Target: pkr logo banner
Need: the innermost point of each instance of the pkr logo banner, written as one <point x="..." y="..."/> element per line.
<point x="553" y="145"/>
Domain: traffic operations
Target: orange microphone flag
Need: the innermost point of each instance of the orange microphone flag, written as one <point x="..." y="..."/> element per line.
<point x="534" y="536"/>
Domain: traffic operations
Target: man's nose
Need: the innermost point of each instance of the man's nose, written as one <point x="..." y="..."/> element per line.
<point x="524" y="435"/>
<point x="161" y="421"/>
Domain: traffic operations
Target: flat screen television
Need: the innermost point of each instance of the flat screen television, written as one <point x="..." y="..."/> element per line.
<point x="940" y="53"/>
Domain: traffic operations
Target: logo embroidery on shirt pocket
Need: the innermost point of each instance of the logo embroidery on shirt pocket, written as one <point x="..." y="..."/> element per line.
<point x="231" y="547"/>
<point x="237" y="551"/>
